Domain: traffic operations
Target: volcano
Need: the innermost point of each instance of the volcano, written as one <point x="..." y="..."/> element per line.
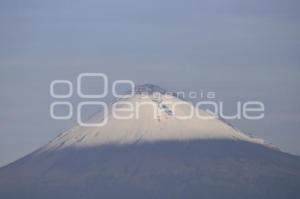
<point x="153" y="153"/>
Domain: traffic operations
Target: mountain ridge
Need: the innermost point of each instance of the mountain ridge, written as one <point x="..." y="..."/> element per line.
<point x="153" y="157"/>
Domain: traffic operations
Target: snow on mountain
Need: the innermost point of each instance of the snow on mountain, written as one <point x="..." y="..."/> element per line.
<point x="153" y="157"/>
<point x="156" y="115"/>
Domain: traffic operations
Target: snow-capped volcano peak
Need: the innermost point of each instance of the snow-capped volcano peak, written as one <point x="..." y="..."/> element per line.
<point x="150" y="114"/>
<point x="154" y="152"/>
<point x="148" y="88"/>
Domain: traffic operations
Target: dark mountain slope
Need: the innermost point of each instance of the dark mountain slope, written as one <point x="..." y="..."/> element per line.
<point x="166" y="169"/>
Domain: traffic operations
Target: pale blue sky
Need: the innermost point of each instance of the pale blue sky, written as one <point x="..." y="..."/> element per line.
<point x="243" y="50"/>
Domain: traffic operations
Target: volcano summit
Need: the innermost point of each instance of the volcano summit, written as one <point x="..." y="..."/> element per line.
<point x="153" y="153"/>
